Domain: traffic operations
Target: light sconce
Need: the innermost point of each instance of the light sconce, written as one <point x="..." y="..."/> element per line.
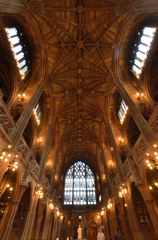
<point x="22" y="97"/>
<point x="36" y="117"/>
<point x="123" y="190"/>
<point x="98" y="215"/>
<point x="151" y="164"/>
<point x="121" y="140"/>
<point x="39" y="140"/>
<point x="38" y="190"/>
<point x="109" y="205"/>
<point x="139" y="96"/>
<point x="51" y="205"/>
<point x="155" y="184"/>
<point x="13" y="164"/>
<point x="5" y="155"/>
<point x="102" y="212"/>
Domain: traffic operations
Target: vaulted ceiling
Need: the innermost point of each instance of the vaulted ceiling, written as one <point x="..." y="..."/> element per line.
<point x="79" y="37"/>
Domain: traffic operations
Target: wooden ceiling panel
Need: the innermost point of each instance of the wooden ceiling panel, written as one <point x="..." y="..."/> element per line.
<point x="79" y="37"/>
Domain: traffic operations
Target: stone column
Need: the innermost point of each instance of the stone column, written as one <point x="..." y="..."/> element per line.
<point x="59" y="229"/>
<point x="39" y="219"/>
<point x="45" y="152"/>
<point x="133" y="220"/>
<point x="24" y="118"/>
<point x="46" y="225"/>
<point x="153" y="213"/>
<point x="115" y="152"/>
<point x="124" y="226"/>
<point x="105" y="221"/>
<point x="30" y="219"/>
<point x="8" y="222"/>
<point x="50" y="225"/>
<point x="52" y="180"/>
<point x="12" y="6"/>
<point x="53" y="237"/>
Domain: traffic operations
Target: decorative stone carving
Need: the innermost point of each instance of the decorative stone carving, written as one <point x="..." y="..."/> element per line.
<point x="154" y="124"/>
<point x="22" y="149"/>
<point x="5" y="121"/>
<point x="126" y="167"/>
<point x="140" y="148"/>
<point x="133" y="166"/>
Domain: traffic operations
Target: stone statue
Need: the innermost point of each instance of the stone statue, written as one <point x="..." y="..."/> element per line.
<point x="79" y="231"/>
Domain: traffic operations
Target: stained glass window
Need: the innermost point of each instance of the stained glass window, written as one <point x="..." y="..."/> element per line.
<point x="79" y="185"/>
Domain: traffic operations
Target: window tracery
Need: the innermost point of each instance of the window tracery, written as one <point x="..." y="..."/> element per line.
<point x="79" y="185"/>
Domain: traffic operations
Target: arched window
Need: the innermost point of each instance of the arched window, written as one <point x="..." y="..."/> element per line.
<point x="17" y="47"/>
<point x="141" y="49"/>
<point x="79" y="185"/>
<point x="121" y="109"/>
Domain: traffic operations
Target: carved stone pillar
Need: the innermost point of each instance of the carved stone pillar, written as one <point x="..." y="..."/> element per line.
<point x="153" y="213"/>
<point x="46" y="225"/>
<point x="12" y="6"/>
<point x="24" y="118"/>
<point x="8" y="222"/>
<point x="116" y="152"/>
<point x="105" y="222"/>
<point x="54" y="227"/>
<point x="30" y="219"/>
<point x="52" y="181"/>
<point x="133" y="220"/>
<point x="45" y="152"/>
<point x="50" y="225"/>
<point x="39" y="219"/>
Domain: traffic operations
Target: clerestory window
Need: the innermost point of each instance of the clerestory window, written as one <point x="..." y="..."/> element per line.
<point x="142" y="48"/>
<point x="79" y="185"/>
<point x="14" y="38"/>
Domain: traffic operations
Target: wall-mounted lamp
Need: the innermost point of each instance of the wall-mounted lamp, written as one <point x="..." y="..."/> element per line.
<point x="109" y="205"/>
<point x="151" y="164"/>
<point x="38" y="190"/>
<point x="13" y="164"/>
<point x="121" y="140"/>
<point x="22" y="97"/>
<point x="123" y="190"/>
<point x="139" y="96"/>
<point x="5" y="155"/>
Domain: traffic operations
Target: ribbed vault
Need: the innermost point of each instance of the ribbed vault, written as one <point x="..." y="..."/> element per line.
<point x="79" y="38"/>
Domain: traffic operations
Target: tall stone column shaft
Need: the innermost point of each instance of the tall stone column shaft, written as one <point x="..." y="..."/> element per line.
<point x="45" y="152"/>
<point x="30" y="219"/>
<point x="46" y="225"/>
<point x="39" y="219"/>
<point x="50" y="225"/>
<point x="8" y="222"/>
<point x="52" y="181"/>
<point x="116" y="152"/>
<point x="54" y="227"/>
<point x="12" y="6"/>
<point x="24" y="118"/>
